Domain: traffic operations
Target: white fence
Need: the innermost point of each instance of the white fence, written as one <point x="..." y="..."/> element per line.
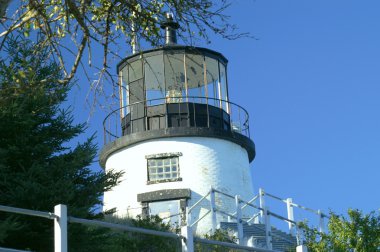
<point x="61" y="220"/>
<point x="262" y="215"/>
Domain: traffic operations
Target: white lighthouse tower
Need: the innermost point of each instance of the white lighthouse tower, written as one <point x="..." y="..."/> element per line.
<point x="176" y="134"/>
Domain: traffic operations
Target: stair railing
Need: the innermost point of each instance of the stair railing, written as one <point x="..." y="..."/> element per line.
<point x="190" y="209"/>
<point x="290" y="211"/>
<point x="263" y="214"/>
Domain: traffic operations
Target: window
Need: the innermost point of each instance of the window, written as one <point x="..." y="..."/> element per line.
<point x="169" y="211"/>
<point x="163" y="168"/>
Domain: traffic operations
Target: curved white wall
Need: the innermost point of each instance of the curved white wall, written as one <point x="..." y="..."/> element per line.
<point x="205" y="162"/>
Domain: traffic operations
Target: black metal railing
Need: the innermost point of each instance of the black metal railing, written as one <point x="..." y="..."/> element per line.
<point x="172" y="112"/>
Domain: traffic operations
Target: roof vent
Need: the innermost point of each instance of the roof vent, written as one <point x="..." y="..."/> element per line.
<point x="170" y="29"/>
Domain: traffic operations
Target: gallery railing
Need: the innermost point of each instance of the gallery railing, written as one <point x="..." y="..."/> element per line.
<point x="174" y="112"/>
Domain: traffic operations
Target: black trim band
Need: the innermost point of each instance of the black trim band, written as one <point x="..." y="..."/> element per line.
<point x="138" y="137"/>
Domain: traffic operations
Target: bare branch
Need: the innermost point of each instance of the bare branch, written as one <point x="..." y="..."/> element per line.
<point x="108" y="24"/>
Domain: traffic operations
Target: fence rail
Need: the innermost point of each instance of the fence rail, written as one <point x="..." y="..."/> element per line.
<point x="60" y="230"/>
<point x="29" y="212"/>
<point x="261" y="215"/>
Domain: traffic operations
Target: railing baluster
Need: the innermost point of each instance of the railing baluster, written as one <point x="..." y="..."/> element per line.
<point x="188" y="216"/>
<point x="239" y="220"/>
<point x="213" y="209"/>
<point x="268" y="231"/>
<point x="289" y="207"/>
<point x="262" y="204"/>
<point x="321" y="222"/>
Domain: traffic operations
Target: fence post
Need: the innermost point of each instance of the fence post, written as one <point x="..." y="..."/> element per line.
<point x="60" y="228"/>
<point x="188" y="216"/>
<point x="268" y="231"/>
<point x="239" y="220"/>
<point x="187" y="239"/>
<point x="299" y="235"/>
<point x="262" y="205"/>
<point x="289" y="207"/>
<point x="321" y="222"/>
<point x="301" y="248"/>
<point x="213" y="209"/>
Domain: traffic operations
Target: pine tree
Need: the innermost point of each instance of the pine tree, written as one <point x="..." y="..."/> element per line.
<point x="38" y="169"/>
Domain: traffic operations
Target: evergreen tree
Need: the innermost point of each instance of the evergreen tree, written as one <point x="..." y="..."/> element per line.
<point x="38" y="169"/>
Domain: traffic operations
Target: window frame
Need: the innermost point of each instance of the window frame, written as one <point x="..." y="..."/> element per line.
<point x="163" y="157"/>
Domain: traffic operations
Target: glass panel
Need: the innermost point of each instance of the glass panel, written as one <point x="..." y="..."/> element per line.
<point x="195" y="75"/>
<point x="174" y="77"/>
<point x="154" y="79"/>
<point x="152" y="177"/>
<point x="223" y="86"/>
<point x="167" y="210"/>
<point x="136" y="92"/>
<point x="135" y="70"/>
<point x="164" y="168"/>
<point x="212" y="74"/>
<point x="124" y="90"/>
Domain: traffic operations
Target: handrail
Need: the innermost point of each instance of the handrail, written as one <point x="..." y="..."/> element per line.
<point x="308" y="209"/>
<point x="253" y="217"/>
<point x="281" y="218"/>
<point x="36" y="213"/>
<point x="243" y="125"/>
<point x="275" y="197"/>
<point x="199" y="219"/>
<point x="223" y="193"/>
<point x="249" y="202"/>
<point x="122" y="227"/>
<point x="225" y="213"/>
<point x="297" y="205"/>
<point x="263" y="211"/>
<point x="199" y="201"/>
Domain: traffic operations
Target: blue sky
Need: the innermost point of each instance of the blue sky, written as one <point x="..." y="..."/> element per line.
<point x="311" y="83"/>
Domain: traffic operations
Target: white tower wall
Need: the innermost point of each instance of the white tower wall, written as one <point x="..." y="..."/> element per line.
<point x="204" y="162"/>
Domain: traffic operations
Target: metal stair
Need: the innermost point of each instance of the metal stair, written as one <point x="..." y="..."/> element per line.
<point x="281" y="241"/>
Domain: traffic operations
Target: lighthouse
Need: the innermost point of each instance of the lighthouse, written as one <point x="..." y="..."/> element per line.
<point x="176" y="134"/>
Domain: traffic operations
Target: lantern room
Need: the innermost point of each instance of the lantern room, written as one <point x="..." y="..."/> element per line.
<point x="174" y="86"/>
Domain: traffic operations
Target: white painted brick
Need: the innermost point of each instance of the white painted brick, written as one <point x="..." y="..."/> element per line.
<point x="205" y="162"/>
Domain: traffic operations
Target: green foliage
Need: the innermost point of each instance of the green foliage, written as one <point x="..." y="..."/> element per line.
<point x="38" y="168"/>
<point x="129" y="241"/>
<point x="73" y="27"/>
<point x="359" y="232"/>
<point x="219" y="235"/>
